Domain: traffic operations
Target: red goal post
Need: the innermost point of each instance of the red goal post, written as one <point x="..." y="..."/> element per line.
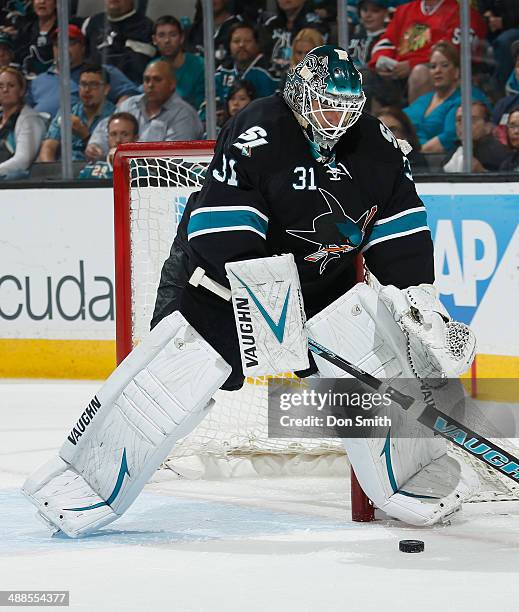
<point x="122" y="235"/>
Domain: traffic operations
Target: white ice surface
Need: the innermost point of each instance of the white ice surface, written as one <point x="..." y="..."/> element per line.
<point x="247" y="544"/>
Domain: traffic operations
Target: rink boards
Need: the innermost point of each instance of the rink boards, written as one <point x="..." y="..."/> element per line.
<point x="57" y="298"/>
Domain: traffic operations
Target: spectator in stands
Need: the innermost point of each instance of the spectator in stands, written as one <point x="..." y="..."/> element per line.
<point x="279" y="31"/>
<point x="44" y="93"/>
<point x="160" y="112"/>
<point x="241" y="94"/>
<point x="246" y="62"/>
<point x="122" y="127"/>
<point x="34" y="41"/>
<point x="6" y="51"/>
<point x="488" y="152"/>
<point x="94" y="85"/>
<point x="503" y="22"/>
<point x="326" y="10"/>
<point x="400" y="124"/>
<point x="373" y="17"/>
<point x="21" y="128"/>
<point x="121" y="37"/>
<point x="168" y="37"/>
<point x="306" y="40"/>
<point x="434" y="114"/>
<point x="401" y="55"/>
<point x="224" y="19"/>
<point x="506" y="104"/>
<point x="13" y="14"/>
<point x="249" y="10"/>
<point x="379" y="93"/>
<point x="511" y="163"/>
<point x="512" y="84"/>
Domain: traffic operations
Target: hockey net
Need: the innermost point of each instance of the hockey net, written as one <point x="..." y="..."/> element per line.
<point x="152" y="183"/>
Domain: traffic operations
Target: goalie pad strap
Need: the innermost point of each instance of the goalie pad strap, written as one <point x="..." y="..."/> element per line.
<point x="156" y="396"/>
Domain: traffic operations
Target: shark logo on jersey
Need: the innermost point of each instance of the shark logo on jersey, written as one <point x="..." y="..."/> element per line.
<point x="334" y="232"/>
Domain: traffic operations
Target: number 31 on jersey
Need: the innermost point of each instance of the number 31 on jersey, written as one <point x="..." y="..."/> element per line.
<point x="305" y="178"/>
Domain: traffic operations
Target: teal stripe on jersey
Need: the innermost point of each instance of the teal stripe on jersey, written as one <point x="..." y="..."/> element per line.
<point x="215" y="221"/>
<point x="405" y="223"/>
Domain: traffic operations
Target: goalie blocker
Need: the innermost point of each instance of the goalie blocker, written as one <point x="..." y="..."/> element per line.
<point x="156" y="396"/>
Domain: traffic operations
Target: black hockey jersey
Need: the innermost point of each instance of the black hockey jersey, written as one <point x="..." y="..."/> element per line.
<point x="124" y="43"/>
<point x="265" y="194"/>
<point x="276" y="39"/>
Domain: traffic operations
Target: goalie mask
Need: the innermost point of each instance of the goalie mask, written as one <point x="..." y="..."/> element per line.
<point x="325" y="92"/>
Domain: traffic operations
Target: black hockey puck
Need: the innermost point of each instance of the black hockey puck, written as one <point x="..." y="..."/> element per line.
<point x="411" y="546"/>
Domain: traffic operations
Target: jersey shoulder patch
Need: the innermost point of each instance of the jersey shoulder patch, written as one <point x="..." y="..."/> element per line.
<point x="255" y="131"/>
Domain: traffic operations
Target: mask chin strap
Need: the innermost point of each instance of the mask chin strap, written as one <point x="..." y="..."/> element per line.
<point x="320" y="148"/>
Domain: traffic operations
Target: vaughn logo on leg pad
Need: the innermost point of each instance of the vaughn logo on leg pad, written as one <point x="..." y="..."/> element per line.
<point x="84" y="420"/>
<point x="246" y="331"/>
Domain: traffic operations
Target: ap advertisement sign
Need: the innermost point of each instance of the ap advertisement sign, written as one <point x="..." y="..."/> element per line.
<point x="476" y="243"/>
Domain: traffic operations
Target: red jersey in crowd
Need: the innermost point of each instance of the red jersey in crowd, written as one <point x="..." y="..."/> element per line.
<point x="413" y="31"/>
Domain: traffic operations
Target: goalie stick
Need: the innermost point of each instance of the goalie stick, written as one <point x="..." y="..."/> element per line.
<point x="440" y="423"/>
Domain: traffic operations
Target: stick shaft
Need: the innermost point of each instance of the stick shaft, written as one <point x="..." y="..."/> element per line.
<point x="471" y="442"/>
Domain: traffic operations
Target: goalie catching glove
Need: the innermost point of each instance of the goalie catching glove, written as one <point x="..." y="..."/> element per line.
<point x="437" y="346"/>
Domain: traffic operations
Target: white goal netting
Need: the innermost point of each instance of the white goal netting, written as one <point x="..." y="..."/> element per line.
<point x="233" y="439"/>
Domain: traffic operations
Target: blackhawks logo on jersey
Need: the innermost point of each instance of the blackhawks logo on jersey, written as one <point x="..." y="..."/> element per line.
<point x="334" y="232"/>
<point x="414" y="38"/>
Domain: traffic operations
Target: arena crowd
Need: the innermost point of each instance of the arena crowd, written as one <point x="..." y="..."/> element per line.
<point x="138" y="75"/>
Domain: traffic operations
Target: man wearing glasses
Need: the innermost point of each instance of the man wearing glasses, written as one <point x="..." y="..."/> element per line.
<point x="92" y="107"/>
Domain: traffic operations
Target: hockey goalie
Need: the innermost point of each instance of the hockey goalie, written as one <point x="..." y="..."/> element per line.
<point x="300" y="184"/>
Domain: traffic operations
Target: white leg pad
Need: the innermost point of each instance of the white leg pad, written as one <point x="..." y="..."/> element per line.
<point x="408" y="475"/>
<point x="431" y="494"/>
<point x="156" y="396"/>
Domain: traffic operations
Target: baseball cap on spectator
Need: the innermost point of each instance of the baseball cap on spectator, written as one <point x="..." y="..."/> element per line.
<point x="74" y="32"/>
<point x="6" y="40"/>
<point x="381" y="3"/>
